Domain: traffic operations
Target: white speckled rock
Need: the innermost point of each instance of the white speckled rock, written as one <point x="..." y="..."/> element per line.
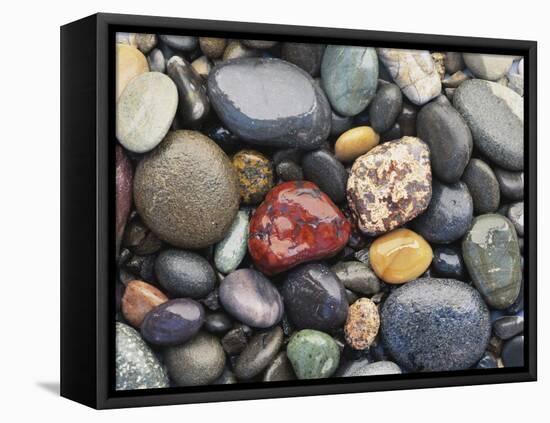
<point x="414" y="71"/>
<point x="137" y="367"/>
<point x="488" y="66"/>
<point x="231" y="250"/>
<point x="145" y="111"/>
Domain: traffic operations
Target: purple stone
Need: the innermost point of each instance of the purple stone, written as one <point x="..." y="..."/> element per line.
<point x="173" y="322"/>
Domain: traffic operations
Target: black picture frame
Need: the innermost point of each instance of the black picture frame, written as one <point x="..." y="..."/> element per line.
<point x="87" y="210"/>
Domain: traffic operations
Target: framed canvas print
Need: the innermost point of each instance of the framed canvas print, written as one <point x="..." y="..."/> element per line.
<point x="255" y="211"/>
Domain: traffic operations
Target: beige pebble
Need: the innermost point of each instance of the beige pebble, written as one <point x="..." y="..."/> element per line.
<point x="130" y="62"/>
<point x="362" y="324"/>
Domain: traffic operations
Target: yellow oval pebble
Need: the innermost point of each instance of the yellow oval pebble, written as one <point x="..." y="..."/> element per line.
<point x="355" y="142"/>
<point x="130" y="62"/>
<point x="400" y="256"/>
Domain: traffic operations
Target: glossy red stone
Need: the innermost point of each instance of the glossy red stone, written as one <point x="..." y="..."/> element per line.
<point x="296" y="223"/>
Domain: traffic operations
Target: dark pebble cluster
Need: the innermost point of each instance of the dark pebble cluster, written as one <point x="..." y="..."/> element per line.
<point x="301" y="211"/>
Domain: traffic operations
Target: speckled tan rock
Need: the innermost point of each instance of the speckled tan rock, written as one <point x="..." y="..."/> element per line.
<point x="139" y="299"/>
<point x="362" y="324"/>
<point x="213" y="48"/>
<point x="414" y="71"/>
<point x="439" y="62"/>
<point x="390" y="185"/>
<point x="186" y="190"/>
<point x="130" y="62"/>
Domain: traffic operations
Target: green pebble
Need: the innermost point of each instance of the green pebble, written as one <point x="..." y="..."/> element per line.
<point x="492" y="256"/>
<point x="313" y="354"/>
<point x="231" y="250"/>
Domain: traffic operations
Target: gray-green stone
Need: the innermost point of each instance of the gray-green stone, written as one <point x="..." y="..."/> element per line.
<point x="349" y="77"/>
<point x="357" y="276"/>
<point x="492" y="256"/>
<point x="137" y="367"/>
<point x="494" y="114"/>
<point x="231" y="250"/>
<point x="313" y="354"/>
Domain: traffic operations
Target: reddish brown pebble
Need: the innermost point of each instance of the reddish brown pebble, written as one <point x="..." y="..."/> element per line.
<point x="362" y="324"/>
<point x="140" y="298"/>
<point x="296" y="223"/>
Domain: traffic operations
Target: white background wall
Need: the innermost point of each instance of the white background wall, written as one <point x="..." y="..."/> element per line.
<point x="29" y="209"/>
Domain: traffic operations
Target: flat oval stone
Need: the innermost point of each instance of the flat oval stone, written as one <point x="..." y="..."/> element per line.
<point x="198" y="362"/>
<point x="447" y="263"/>
<point x="491" y="253"/>
<point x="482" y="185"/>
<point x="414" y="72"/>
<point x="449" y="215"/>
<point x="448" y="136"/>
<point x="180" y="42"/>
<point x="507" y="327"/>
<point x="296" y="223"/>
<point x="313" y="354"/>
<point x="510" y="183"/>
<point x="385" y="107"/>
<point x="362" y="324"/>
<point x="173" y="322"/>
<point x="230" y="251"/>
<point x="259" y="44"/>
<point x="315" y="298"/>
<point x="259" y="352"/>
<point x="515" y="214"/>
<point x="145" y="110"/>
<point x="270" y="102"/>
<point x="123" y="180"/>
<point x="184" y="273"/>
<point x="255" y="173"/>
<point x="251" y="298"/>
<point x="488" y="66"/>
<point x="435" y="325"/>
<point x="279" y="369"/>
<point x="139" y="299"/>
<point x="304" y="55"/>
<point x="365" y="368"/>
<point x="322" y="168"/>
<point x="390" y="185"/>
<point x="357" y="276"/>
<point x="512" y="352"/>
<point x="349" y="76"/>
<point x="193" y="103"/>
<point x="355" y="142"/>
<point x="136" y="365"/>
<point x="130" y="62"/>
<point x="494" y="114"/>
<point x="187" y="165"/>
<point x="400" y="256"/>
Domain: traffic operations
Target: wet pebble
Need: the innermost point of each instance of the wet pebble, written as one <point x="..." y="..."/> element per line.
<point x="251" y="298"/>
<point x="230" y="251"/>
<point x="488" y="66"/>
<point x="482" y="185"/>
<point x="447" y="263"/>
<point x="306" y="56"/>
<point x="217" y="323"/>
<point x="259" y="352"/>
<point x="355" y="142"/>
<point x="322" y="168"/>
<point x="357" y="277"/>
<point x="507" y="327"/>
<point x="139" y="299"/>
<point x="184" y="273"/>
<point x="515" y="214"/>
<point x="255" y="173"/>
<point x="288" y="170"/>
<point x="179" y="42"/>
<point x="313" y="354"/>
<point x="362" y="324"/>
<point x="279" y="369"/>
<point x="315" y="298"/>
<point x="512" y="352"/>
<point x="449" y="215"/>
<point x="435" y="325"/>
<point x="385" y="107"/>
<point x="173" y="322"/>
<point x="511" y="183"/>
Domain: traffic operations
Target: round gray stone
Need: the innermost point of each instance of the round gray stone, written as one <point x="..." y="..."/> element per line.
<point x="488" y="66"/>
